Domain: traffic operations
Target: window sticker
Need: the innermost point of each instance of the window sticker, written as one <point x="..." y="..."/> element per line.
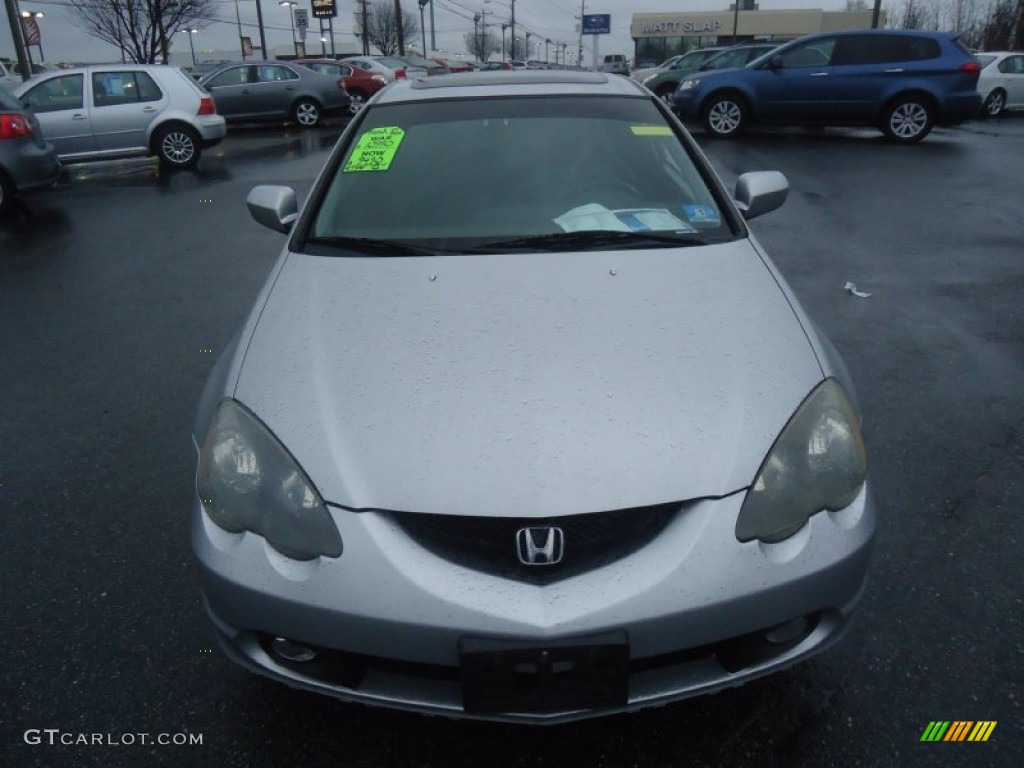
<point x="702" y="214"/>
<point x="596" y="217"/>
<point x="375" y="150"/>
<point x="652" y="219"/>
<point x="651" y="130"/>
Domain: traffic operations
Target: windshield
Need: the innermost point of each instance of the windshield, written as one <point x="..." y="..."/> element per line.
<point x="475" y="175"/>
<point x="390" y="62"/>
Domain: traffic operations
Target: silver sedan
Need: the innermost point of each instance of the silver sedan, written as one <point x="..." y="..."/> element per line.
<point x="558" y="443"/>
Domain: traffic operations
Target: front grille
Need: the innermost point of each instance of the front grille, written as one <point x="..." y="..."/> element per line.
<point x="488" y="544"/>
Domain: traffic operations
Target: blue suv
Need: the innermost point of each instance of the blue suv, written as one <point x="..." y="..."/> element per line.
<point x="902" y="82"/>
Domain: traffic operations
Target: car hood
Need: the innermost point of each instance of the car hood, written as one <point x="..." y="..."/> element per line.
<point x="528" y="385"/>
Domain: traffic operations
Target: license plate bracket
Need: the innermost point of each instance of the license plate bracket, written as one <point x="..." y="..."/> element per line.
<point x="507" y="675"/>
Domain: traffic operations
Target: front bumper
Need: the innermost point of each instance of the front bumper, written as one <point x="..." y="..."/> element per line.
<point x="386" y="619"/>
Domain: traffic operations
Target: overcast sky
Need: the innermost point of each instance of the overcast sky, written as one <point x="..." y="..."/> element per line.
<point x="63" y="40"/>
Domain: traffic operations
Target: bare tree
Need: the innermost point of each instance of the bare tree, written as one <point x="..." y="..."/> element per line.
<point x="482" y="45"/>
<point x="141" y="29"/>
<point x="382" y="28"/>
<point x="857" y="5"/>
<point x="515" y="49"/>
<point x="997" y="31"/>
<point x="914" y="14"/>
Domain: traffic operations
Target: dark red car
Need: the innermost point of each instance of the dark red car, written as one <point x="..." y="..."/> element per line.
<point x="454" y="65"/>
<point x="360" y="84"/>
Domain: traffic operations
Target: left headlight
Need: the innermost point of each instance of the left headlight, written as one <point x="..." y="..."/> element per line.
<point x="816" y="463"/>
<point x="247" y="481"/>
<point x="688" y="84"/>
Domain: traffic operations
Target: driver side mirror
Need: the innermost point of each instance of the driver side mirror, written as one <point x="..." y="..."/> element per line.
<point x="760" y="192"/>
<point x="273" y="206"/>
<point x="775" y="62"/>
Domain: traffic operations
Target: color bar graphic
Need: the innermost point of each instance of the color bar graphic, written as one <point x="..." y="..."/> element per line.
<point x="958" y="730"/>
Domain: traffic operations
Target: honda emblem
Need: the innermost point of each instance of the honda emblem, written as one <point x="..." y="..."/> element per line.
<point x="540" y="546"/>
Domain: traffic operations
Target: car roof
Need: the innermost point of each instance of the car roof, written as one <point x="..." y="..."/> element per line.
<point x="118" y="67"/>
<point x="887" y="32"/>
<point x="498" y="83"/>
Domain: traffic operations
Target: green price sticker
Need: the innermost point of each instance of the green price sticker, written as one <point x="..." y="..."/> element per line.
<point x="375" y="150"/>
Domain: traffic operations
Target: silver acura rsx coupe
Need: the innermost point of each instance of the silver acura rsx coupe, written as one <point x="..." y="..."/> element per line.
<point x="525" y="425"/>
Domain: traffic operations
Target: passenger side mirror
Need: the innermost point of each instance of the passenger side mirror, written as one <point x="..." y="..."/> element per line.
<point x="274" y="207"/>
<point x="760" y="192"/>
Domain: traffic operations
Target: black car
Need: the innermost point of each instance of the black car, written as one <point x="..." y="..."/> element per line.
<point x="27" y="160"/>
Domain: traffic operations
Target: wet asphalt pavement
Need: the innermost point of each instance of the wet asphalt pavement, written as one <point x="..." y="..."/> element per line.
<point x="118" y="289"/>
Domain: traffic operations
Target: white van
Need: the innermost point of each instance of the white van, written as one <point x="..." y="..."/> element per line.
<point x="615" y="63"/>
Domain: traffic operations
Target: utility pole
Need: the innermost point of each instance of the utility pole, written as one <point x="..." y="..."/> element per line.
<point x="483" y="35"/>
<point x="238" y="20"/>
<point x="366" y="42"/>
<point x="263" y="35"/>
<point x="433" y="40"/>
<point x="14" y="19"/>
<point x="398" y="28"/>
<point x="512" y="23"/>
<point x="583" y="10"/>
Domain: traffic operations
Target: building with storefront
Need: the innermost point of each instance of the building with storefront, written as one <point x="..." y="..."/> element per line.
<point x="658" y="36"/>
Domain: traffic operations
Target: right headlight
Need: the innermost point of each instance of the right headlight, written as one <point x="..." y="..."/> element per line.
<point x="247" y="481"/>
<point x="816" y="463"/>
<point x="689" y="83"/>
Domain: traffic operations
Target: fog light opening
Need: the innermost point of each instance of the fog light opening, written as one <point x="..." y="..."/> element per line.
<point x="289" y="650"/>
<point x="788" y="632"/>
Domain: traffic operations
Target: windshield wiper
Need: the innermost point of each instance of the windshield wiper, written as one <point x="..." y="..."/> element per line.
<point x="375" y="247"/>
<point x="593" y="239"/>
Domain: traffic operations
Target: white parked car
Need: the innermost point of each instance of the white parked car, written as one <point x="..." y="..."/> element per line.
<point x="8" y="77"/>
<point x="642" y="74"/>
<point x="1001" y="83"/>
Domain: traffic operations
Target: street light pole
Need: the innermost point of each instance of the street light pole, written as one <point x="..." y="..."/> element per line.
<point x="192" y="47"/>
<point x="39" y="42"/>
<point x="423" y="28"/>
<point x="291" y="17"/>
<point x="433" y="40"/>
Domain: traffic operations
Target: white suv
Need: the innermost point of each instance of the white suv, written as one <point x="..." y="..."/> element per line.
<point x="105" y="111"/>
<point x="8" y="77"/>
<point x="616" y="64"/>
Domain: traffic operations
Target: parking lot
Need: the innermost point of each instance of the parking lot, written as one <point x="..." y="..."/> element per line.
<point x="119" y="288"/>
